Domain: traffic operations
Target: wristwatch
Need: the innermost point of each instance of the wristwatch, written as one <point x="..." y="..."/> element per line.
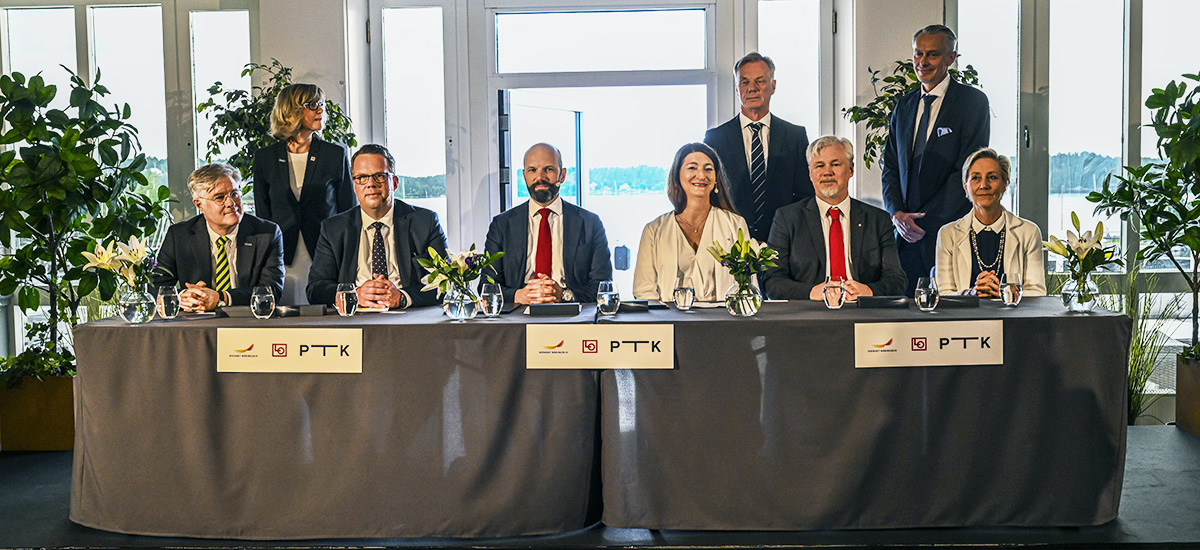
<point x="403" y="301"/>
<point x="568" y="296"/>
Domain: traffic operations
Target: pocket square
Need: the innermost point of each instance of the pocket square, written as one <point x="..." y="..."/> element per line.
<point x="943" y="131"/>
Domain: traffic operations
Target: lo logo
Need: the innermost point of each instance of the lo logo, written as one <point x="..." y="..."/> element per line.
<point x="591" y="346"/>
<point x="278" y="350"/>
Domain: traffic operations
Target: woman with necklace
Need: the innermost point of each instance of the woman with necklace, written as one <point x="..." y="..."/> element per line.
<point x="676" y="244"/>
<point x="300" y="181"/>
<point x="974" y="252"/>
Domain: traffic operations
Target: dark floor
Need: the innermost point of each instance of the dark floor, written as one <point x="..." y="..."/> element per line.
<point x="1160" y="507"/>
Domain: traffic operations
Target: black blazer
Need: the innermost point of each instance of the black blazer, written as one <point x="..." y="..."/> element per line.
<point x="336" y="260"/>
<point x="186" y="257"/>
<point x="327" y="190"/>
<point x="787" y="169"/>
<point x="797" y="235"/>
<point x="964" y="125"/>
<point x="585" y="250"/>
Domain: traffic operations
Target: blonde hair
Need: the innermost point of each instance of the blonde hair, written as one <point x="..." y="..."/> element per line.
<point x="201" y="181"/>
<point x="988" y="153"/>
<point x="289" y="108"/>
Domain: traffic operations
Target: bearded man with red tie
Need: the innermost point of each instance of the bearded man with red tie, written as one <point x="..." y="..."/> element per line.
<point x="554" y="251"/>
<point x="832" y="236"/>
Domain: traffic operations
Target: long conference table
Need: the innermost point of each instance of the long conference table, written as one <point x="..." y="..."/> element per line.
<point x="763" y="424"/>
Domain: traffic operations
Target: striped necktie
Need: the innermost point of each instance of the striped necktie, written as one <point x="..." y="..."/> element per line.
<point x="221" y="278"/>
<point x="758" y="174"/>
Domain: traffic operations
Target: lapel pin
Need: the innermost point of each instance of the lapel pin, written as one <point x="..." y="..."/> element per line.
<point x="313" y="159"/>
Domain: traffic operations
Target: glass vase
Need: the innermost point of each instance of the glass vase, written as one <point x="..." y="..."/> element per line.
<point x="460" y="303"/>
<point x="1079" y="295"/>
<point x="743" y="300"/>
<point x="136" y="305"/>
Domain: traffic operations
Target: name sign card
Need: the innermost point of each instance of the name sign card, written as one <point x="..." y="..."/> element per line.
<point x="324" y="350"/>
<point x="928" y="344"/>
<point x="549" y="346"/>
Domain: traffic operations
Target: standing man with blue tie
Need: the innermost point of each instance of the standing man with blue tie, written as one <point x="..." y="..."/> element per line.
<point x="764" y="155"/>
<point x="931" y="133"/>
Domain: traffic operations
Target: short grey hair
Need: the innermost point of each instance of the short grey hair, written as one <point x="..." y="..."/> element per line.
<point x="988" y="153"/>
<point x="943" y="30"/>
<point x="754" y="57"/>
<point x="201" y="182"/>
<point x="825" y="141"/>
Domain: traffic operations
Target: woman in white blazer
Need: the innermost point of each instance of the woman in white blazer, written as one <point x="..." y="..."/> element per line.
<point x="676" y="244"/>
<point x="973" y="252"/>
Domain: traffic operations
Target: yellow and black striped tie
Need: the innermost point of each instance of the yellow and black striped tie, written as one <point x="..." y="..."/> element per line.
<point x="221" y="278"/>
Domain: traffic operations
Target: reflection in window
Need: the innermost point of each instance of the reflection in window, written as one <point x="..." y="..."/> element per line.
<point x="415" y="99"/>
<point x="220" y="50"/>
<point x="988" y="38"/>
<point x="1085" y="112"/>
<point x="38" y="40"/>
<point x="789" y="32"/>
<point x="140" y="84"/>
<point x="600" y="41"/>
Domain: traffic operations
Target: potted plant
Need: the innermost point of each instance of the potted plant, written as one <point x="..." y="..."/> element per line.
<point x="243" y="118"/>
<point x="1162" y="197"/>
<point x="74" y="177"/>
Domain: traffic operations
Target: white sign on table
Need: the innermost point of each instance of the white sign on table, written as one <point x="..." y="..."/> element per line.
<point x="928" y="344"/>
<point x="603" y="346"/>
<point x="323" y="350"/>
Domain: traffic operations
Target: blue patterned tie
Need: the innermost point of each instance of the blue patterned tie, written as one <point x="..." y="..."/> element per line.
<point x="378" y="255"/>
<point x="758" y="174"/>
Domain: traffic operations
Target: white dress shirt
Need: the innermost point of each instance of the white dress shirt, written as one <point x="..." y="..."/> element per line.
<point x="764" y="134"/>
<point x="367" y="239"/>
<point x="556" y="241"/>
<point x="826" y="226"/>
<point x="934" y="108"/>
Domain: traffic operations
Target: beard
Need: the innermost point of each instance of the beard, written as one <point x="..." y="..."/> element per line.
<point x="543" y="196"/>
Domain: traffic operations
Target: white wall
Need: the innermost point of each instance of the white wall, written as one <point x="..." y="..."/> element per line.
<point x="310" y="37"/>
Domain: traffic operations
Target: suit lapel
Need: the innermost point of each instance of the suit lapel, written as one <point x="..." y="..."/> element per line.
<point x="907" y="126"/>
<point x="245" y="255"/>
<point x="572" y="230"/>
<point x="518" y="242"/>
<point x="201" y="249"/>
<point x="401" y="223"/>
<point x="858" y="219"/>
<point x="946" y="112"/>
<point x="310" y="166"/>
<point x="282" y="172"/>
<point x="816" y="235"/>
<point x="775" y="149"/>
<point x="350" y="247"/>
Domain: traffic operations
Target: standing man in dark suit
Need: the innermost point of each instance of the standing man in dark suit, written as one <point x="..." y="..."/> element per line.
<point x="222" y="254"/>
<point x="832" y="236"/>
<point x="931" y="132"/>
<point x="376" y="245"/>
<point x="554" y="251"/>
<point x="763" y="154"/>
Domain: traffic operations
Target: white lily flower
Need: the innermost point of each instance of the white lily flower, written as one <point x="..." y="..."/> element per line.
<point x="134" y="252"/>
<point x="102" y="258"/>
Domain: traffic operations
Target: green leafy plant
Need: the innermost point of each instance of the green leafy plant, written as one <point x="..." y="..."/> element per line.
<point x="1163" y="196"/>
<point x="744" y="258"/>
<point x="456" y="270"/>
<point x="42" y="357"/>
<point x="889" y="88"/>
<point x="75" y="177"/>
<point x="243" y="118"/>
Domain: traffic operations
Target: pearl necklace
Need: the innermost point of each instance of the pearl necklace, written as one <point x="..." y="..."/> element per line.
<point x="979" y="259"/>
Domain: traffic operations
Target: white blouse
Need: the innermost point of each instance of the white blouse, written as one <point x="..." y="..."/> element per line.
<point x="664" y="254"/>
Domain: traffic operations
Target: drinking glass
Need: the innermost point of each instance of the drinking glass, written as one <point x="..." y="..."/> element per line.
<point x="608" y="300"/>
<point x="834" y="293"/>
<point x="1010" y="288"/>
<point x="685" y="293"/>
<point x="262" y="302"/>
<point x="346" y="299"/>
<point x="926" y="294"/>
<point x="168" y="302"/>
<point x="492" y="298"/>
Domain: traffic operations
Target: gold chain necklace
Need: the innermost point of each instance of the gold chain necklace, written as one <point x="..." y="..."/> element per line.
<point x="693" y="228"/>
<point x="979" y="259"/>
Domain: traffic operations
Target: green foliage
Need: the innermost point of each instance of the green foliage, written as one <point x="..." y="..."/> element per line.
<point x="243" y="118"/>
<point x="744" y="259"/>
<point x="1163" y="196"/>
<point x="44" y="357"/>
<point x="457" y="270"/>
<point x="878" y="112"/>
<point x="72" y="180"/>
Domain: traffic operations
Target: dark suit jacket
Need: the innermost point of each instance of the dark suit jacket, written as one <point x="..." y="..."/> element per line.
<point x="327" y="190"/>
<point x="787" y="169"/>
<point x="336" y="260"/>
<point x="965" y="114"/>
<point x="797" y="235"/>
<point x="585" y="250"/>
<point x="186" y="257"/>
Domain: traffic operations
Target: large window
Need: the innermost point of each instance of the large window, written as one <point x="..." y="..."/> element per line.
<point x="220" y="47"/>
<point x="988" y="44"/>
<point x="37" y="41"/>
<point x="789" y="32"/>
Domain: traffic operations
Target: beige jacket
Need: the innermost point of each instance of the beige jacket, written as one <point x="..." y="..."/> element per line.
<point x="1022" y="254"/>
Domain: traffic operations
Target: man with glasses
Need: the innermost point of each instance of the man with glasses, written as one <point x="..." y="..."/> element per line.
<point x="376" y="245"/>
<point x="222" y="254"/>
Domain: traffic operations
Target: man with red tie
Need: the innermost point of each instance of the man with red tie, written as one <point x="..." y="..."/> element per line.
<point x="554" y="251"/>
<point x="832" y="236"/>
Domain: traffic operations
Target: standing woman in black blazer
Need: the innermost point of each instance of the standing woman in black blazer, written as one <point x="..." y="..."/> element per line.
<point x="300" y="181"/>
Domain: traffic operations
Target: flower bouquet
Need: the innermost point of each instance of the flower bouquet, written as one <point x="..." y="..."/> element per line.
<point x="130" y="263"/>
<point x="1084" y="254"/>
<point x="743" y="260"/>
<point x="452" y="275"/>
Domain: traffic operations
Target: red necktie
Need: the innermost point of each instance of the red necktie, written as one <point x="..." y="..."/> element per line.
<point x="837" y="247"/>
<point x="544" y="257"/>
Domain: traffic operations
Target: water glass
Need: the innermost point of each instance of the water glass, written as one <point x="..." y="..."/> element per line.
<point x="167" y="303"/>
<point x="608" y="300"/>
<point x="262" y="302"/>
<point x="345" y="300"/>
<point x="685" y="293"/>
<point x="926" y="294"/>
<point x="834" y="293"/>
<point x="1010" y="288"/>
<point x="493" y="299"/>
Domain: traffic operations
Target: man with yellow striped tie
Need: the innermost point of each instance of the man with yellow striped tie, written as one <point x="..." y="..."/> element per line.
<point x="222" y="254"/>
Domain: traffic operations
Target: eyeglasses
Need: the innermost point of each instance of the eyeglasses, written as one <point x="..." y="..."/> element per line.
<point x="315" y="105"/>
<point x="378" y="177"/>
<point x="220" y="199"/>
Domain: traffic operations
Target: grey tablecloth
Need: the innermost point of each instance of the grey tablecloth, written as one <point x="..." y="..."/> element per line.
<point x="765" y="424"/>
<point x="443" y="434"/>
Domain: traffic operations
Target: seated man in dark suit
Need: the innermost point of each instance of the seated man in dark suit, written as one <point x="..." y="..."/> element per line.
<point x="832" y="236"/>
<point x="222" y="254"/>
<point x="762" y="153"/>
<point x="376" y="245"/>
<point x="554" y="251"/>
